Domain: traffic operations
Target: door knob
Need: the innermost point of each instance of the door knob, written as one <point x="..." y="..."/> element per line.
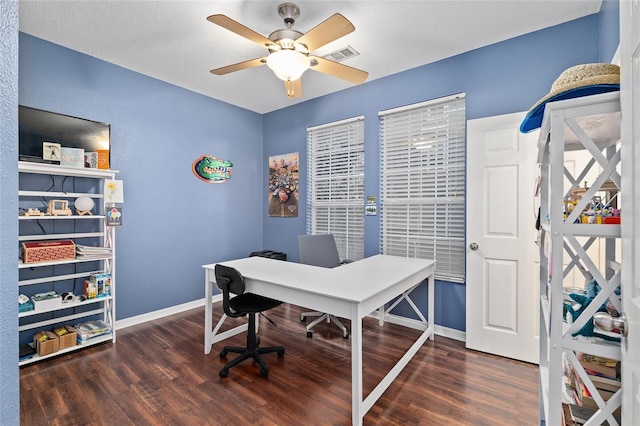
<point x="606" y="322"/>
<point x="473" y="246"/>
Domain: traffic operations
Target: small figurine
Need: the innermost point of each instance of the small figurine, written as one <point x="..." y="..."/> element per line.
<point x="33" y="212"/>
<point x="58" y="208"/>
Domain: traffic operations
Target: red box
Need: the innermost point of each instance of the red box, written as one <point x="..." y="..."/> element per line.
<point x="612" y="220"/>
<point x="46" y="251"/>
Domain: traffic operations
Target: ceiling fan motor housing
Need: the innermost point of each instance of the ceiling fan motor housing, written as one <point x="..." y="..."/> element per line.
<point x="286" y="37"/>
<point x="289" y="12"/>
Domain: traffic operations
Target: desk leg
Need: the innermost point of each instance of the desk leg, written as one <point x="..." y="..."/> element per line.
<point x="208" y="311"/>
<point x="357" y="411"/>
<point x="361" y="407"/>
<point x="431" y="284"/>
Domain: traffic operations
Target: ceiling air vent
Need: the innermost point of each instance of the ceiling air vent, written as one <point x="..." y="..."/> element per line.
<point x="342" y="54"/>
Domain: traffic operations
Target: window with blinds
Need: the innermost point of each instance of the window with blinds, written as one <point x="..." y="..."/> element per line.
<point x="422" y="183"/>
<point x="335" y="195"/>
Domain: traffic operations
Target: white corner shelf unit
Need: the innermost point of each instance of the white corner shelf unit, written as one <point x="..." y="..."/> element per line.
<point x="39" y="183"/>
<point x="590" y="123"/>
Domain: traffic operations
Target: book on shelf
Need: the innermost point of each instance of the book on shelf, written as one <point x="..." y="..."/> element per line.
<point x="581" y="414"/>
<point x="605" y="383"/>
<point x="596" y="365"/>
<point x="90" y="329"/>
<point x="91" y="160"/>
<point x="83" y="251"/>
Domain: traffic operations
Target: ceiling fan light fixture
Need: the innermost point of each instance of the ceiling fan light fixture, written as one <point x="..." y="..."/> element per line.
<point x="288" y="65"/>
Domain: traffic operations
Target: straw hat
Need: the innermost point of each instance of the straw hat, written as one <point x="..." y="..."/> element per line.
<point x="580" y="80"/>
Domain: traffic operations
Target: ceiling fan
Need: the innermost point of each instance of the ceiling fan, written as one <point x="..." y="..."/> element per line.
<point x="289" y="49"/>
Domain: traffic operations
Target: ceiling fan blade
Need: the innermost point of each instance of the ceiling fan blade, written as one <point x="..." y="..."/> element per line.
<point x="239" y="66"/>
<point x="293" y="88"/>
<point x="236" y="27"/>
<point x="335" y="69"/>
<point x="331" y="29"/>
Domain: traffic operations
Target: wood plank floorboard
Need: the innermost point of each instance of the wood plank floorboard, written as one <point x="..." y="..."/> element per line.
<point x="157" y="374"/>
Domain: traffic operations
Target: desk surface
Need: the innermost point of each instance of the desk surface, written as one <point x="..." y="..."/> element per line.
<point x="353" y="282"/>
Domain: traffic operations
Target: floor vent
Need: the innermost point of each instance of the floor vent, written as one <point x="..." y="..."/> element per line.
<point x="342" y="54"/>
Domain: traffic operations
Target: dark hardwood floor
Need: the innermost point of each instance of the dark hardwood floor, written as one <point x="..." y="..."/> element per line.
<point x="157" y="374"/>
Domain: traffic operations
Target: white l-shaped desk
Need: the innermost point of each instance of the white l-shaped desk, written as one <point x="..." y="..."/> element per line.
<point x="351" y="291"/>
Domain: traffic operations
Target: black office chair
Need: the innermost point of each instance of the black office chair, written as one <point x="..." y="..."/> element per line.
<point x="320" y="250"/>
<point x="230" y="281"/>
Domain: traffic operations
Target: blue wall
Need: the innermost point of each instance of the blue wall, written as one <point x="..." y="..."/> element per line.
<point x="172" y="222"/>
<point x="502" y="78"/>
<point x="609" y="29"/>
<point x="9" y="379"/>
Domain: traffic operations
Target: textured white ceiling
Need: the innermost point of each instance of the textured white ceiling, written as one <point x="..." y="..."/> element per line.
<point x="172" y="40"/>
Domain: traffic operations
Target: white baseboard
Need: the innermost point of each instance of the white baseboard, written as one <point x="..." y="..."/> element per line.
<point x="150" y="316"/>
<point x="394" y="319"/>
<point x="450" y="333"/>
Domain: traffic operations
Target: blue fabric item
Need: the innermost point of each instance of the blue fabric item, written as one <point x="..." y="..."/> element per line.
<point x="587" y="330"/>
<point x="533" y="120"/>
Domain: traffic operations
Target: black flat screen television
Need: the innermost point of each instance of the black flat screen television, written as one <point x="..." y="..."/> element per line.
<point x="36" y="126"/>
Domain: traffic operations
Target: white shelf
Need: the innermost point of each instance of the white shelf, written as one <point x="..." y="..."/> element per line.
<point x="55" y="169"/>
<point x="58" y="194"/>
<point x="75" y="235"/>
<point x="586" y="230"/>
<point x="22" y="265"/>
<point x="74" y="217"/>
<point x="95" y="230"/>
<point x="591" y="124"/>
<point x="65" y="305"/>
<point x="85" y="344"/>
<point x="58" y="278"/>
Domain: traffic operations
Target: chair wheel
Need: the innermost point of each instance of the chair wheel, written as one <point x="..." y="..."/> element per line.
<point x="223" y="373"/>
<point x="281" y="353"/>
<point x="264" y="372"/>
<point x="223" y="354"/>
<point x="309" y="333"/>
<point x="345" y="336"/>
<point x="303" y="319"/>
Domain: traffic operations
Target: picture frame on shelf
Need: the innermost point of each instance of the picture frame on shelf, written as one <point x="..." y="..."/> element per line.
<point x="51" y="151"/>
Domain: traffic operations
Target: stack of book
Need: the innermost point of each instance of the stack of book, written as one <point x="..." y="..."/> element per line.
<point x="600" y="366"/>
<point x="604" y="373"/>
<point x="83" y="251"/>
<point x="90" y="329"/>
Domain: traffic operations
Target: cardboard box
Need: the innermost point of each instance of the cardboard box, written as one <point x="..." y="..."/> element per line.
<point x="46" y="343"/>
<point x="46" y="251"/>
<point x="67" y="336"/>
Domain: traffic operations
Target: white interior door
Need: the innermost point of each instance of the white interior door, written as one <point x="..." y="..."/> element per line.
<point x="502" y="257"/>
<point x="630" y="113"/>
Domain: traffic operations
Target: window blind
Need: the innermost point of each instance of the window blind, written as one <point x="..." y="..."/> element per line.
<point x="335" y="195"/>
<point x="422" y="183"/>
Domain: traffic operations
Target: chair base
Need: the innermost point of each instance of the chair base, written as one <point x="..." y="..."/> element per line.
<point x="252" y="350"/>
<point x="323" y="317"/>
<point x="248" y="354"/>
